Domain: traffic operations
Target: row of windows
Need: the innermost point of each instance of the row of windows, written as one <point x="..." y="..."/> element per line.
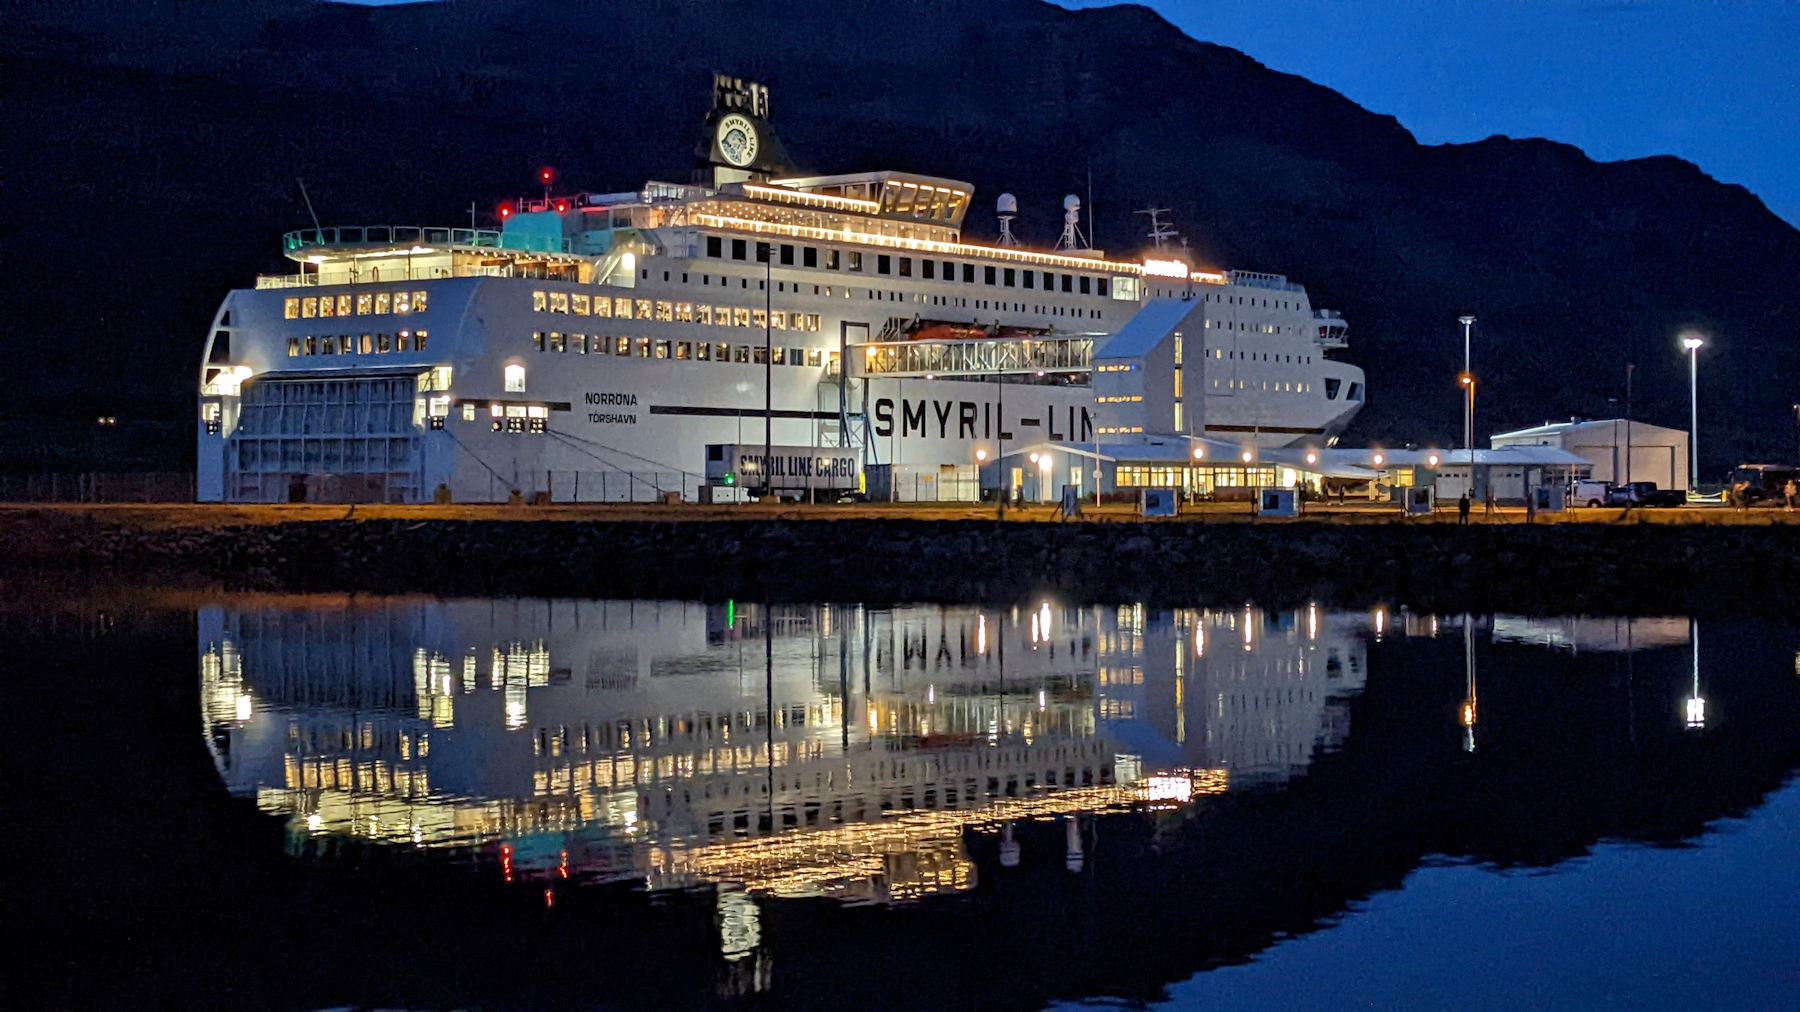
<point x="699" y="351"/>
<point x="1245" y="300"/>
<point x="666" y="311"/>
<point x="1261" y="356"/>
<point x="1277" y="387"/>
<point x="1177" y="477"/>
<point x="907" y="267"/>
<point x="365" y="304"/>
<point x="1106" y="430"/>
<point x="1260" y="328"/>
<point x="1121" y="399"/>
<point x="354" y="344"/>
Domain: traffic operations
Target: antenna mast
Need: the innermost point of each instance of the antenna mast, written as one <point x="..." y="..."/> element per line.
<point x="1160" y="230"/>
<point x="1071" y="234"/>
<point x="1007" y="208"/>
<point x="317" y="228"/>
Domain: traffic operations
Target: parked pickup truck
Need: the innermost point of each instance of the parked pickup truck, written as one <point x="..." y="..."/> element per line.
<point x="1645" y="493"/>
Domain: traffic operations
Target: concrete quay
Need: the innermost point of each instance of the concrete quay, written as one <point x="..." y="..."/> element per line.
<point x="867" y="554"/>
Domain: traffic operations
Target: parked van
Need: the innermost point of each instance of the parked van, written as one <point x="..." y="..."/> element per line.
<point x="1589" y="493"/>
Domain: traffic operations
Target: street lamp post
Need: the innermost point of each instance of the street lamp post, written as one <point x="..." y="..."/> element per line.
<point x="1692" y="343"/>
<point x="1469" y="409"/>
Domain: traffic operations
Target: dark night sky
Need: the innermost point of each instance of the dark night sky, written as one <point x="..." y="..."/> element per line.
<point x="1716" y="83"/>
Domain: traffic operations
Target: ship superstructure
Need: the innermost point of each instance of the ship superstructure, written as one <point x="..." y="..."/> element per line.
<point x="594" y="344"/>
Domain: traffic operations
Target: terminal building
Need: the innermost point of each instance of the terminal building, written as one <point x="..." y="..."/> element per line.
<point x="1617" y="450"/>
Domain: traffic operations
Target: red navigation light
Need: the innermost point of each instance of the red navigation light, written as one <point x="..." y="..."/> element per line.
<point x="546" y="174"/>
<point x="505" y="210"/>
<point x="562" y="206"/>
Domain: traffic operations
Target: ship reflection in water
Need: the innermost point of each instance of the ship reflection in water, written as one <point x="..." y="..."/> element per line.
<point x="1102" y="799"/>
<point x="803" y="750"/>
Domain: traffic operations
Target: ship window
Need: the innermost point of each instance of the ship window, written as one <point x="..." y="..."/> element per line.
<point x="665" y="311"/>
<point x="1009" y="277"/>
<point x="779" y="354"/>
<point x="759" y="318"/>
<point x="703" y="351"/>
<point x="855" y="260"/>
<point x="1356" y="392"/>
<point x="293" y="347"/>
<point x="722" y="316"/>
<point x="831" y="260"/>
<point x="515" y="379"/>
<point x="365" y="304"/>
<point x="1086" y="284"/>
<point x="662" y="349"/>
<point x="740" y="316"/>
<point x="787" y="254"/>
<point x="290" y="309"/>
<point x="721" y="352"/>
<point x="796" y="356"/>
<point x="715" y="246"/>
<point x="1030" y="278"/>
<point x="537" y="340"/>
<point x="403" y="341"/>
<point x="383" y="302"/>
<point x="759" y="356"/>
<point x="884" y="264"/>
<point x="741" y="353"/>
<point x="468" y="412"/>
<point x="559" y="302"/>
<point x="684" y="312"/>
<point x="703" y="314"/>
<point x="557" y="344"/>
<point x="578" y="304"/>
<point x="326" y="305"/>
<point x="739" y="250"/>
<point x="622" y="308"/>
<point x="1067" y="282"/>
<point x="778" y="320"/>
<point x="906" y="267"/>
<point x="578" y="343"/>
<point x="327" y="346"/>
<point x="809" y="256"/>
<point x="812" y="321"/>
<point x="643" y="347"/>
<point x="381" y="344"/>
<point x="343" y="305"/>
<point x="815" y="356"/>
<point x="990" y="275"/>
<point x="309" y="308"/>
<point x="622" y="346"/>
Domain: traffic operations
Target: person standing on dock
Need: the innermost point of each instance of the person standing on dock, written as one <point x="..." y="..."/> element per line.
<point x="1791" y="492"/>
<point x="1462" y="510"/>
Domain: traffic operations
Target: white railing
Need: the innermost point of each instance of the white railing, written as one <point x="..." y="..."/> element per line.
<point x="389" y="273"/>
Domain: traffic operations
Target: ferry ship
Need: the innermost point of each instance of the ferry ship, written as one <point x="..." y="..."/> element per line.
<point x="594" y="345"/>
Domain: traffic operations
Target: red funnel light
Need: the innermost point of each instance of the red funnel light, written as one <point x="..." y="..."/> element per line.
<point x="546" y="175"/>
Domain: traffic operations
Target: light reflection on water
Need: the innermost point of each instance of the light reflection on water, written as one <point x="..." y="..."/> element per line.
<point x="791" y="750"/>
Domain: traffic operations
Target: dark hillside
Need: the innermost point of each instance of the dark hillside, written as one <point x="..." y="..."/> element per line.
<point x="151" y="151"/>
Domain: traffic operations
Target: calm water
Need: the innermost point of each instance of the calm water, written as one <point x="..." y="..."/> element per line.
<point x="302" y="801"/>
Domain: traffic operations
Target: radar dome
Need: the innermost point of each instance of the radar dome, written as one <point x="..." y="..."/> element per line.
<point x="1071" y="202"/>
<point x="1008" y="204"/>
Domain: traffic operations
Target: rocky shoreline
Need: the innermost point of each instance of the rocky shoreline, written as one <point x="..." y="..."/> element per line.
<point x="1563" y="568"/>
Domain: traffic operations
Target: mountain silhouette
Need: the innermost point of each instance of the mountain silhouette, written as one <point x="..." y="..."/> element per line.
<point x="154" y="150"/>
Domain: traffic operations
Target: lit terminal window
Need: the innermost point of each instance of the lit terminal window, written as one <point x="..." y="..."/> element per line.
<point x="515" y="379"/>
